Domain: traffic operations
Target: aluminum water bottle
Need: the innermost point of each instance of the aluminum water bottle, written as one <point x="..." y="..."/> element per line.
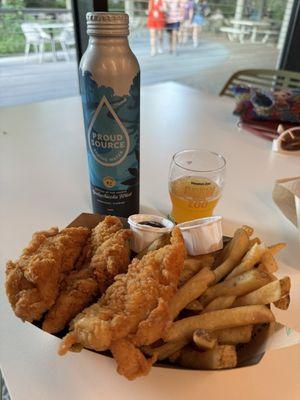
<point x="110" y="89"/>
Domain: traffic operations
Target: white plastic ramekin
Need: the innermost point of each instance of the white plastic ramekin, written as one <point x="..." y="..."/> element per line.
<point x="144" y="235"/>
<point x="202" y="236"/>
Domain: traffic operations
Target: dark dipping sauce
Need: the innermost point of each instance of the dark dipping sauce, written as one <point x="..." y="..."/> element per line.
<point x="154" y="224"/>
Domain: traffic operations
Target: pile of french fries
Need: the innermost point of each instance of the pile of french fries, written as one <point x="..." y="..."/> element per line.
<point x="222" y="299"/>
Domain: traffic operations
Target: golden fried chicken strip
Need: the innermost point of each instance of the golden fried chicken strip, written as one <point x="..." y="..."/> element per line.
<point x="105" y="230"/>
<point x="130" y="360"/>
<point x="111" y="258"/>
<point x="81" y="287"/>
<point x="102" y="232"/>
<point x="80" y="290"/>
<point x="134" y="309"/>
<point x="32" y="282"/>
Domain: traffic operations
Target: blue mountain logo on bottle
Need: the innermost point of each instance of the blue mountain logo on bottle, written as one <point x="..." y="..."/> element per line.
<point x="108" y="138"/>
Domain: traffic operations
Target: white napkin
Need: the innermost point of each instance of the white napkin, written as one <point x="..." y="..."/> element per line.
<point x="286" y="195"/>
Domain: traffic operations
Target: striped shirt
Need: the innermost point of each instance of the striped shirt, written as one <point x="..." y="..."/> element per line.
<point x="174" y="11"/>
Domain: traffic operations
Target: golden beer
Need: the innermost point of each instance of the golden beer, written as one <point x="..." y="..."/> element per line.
<point x="193" y="197"/>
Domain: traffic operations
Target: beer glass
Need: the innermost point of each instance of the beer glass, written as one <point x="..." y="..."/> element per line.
<point x="196" y="181"/>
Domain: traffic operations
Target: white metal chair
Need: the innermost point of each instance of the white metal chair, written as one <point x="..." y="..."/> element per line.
<point x="37" y="37"/>
<point x="234" y="33"/>
<point x="66" y="39"/>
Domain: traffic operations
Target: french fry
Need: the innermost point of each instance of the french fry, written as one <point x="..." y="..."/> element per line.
<point x="267" y="294"/>
<point x="252" y="257"/>
<point x="268" y="263"/>
<point x="166" y="350"/>
<point x="239" y="334"/>
<point x="283" y="303"/>
<point x="191" y="290"/>
<point x="204" y="339"/>
<point x="155" y="245"/>
<point x="253" y="241"/>
<point x="220" y="319"/>
<point x="194" y="305"/>
<point x="192" y="265"/>
<point x="275" y="248"/>
<point x="248" y="230"/>
<point x="222" y="254"/>
<point x="220" y="357"/>
<point x="219" y="303"/>
<point x="237" y="249"/>
<point x="236" y="286"/>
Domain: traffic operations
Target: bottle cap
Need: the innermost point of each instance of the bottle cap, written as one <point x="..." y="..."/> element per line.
<point x="107" y="24"/>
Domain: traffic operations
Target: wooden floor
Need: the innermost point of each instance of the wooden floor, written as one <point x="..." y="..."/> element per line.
<point x="206" y="67"/>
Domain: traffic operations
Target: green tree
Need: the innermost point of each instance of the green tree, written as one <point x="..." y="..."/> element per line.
<point x="45" y="3"/>
<point x="226" y="6"/>
<point x="276" y="9"/>
<point x="11" y="38"/>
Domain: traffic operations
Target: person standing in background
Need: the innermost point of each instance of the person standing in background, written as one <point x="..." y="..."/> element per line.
<point x="156" y="24"/>
<point x="200" y="11"/>
<point x="174" y="16"/>
<point x="186" y="23"/>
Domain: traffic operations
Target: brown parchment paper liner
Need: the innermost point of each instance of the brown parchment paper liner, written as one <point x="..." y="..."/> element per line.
<point x="286" y="195"/>
<point x="265" y="338"/>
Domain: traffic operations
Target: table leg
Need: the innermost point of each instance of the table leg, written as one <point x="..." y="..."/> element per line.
<point x="53" y="49"/>
<point x="254" y="34"/>
<point x="242" y="34"/>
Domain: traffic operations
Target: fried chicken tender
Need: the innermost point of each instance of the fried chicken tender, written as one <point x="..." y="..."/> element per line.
<point x="79" y="291"/>
<point x="134" y="310"/>
<point x="111" y="258"/>
<point x="81" y="287"/>
<point x="102" y="232"/>
<point x="32" y="282"/>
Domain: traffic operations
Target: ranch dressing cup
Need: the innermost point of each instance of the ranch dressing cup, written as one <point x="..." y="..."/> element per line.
<point x="143" y="235"/>
<point x="202" y="236"/>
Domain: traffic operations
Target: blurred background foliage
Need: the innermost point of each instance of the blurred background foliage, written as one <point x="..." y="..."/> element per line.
<point x="12" y="40"/>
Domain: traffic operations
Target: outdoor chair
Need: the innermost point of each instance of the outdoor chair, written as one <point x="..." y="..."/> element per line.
<point x="266" y="79"/>
<point x="66" y="39"/>
<point x="37" y="37"/>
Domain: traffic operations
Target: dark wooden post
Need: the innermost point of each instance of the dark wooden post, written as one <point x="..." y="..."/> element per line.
<point x="290" y="58"/>
<point x="79" y="9"/>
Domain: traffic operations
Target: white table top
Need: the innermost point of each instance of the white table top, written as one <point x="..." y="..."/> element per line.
<point x="248" y="22"/>
<point x="55" y="25"/>
<point x="44" y="182"/>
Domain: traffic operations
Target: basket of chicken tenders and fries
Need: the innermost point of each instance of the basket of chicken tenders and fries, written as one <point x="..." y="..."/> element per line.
<point x="160" y="306"/>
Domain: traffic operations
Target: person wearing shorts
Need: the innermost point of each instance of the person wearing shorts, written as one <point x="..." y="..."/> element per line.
<point x="186" y="24"/>
<point x="156" y="24"/>
<point x="200" y="11"/>
<point x="174" y="15"/>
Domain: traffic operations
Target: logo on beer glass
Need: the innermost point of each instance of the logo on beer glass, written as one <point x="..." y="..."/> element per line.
<point x="107" y="136"/>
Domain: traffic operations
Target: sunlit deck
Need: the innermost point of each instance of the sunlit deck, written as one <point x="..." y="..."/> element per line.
<point x="206" y="67"/>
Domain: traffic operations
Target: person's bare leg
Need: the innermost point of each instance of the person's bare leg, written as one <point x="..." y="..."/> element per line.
<point x="199" y="31"/>
<point x="170" y="40"/>
<point x="195" y="35"/>
<point x="152" y="42"/>
<point x="180" y="34"/>
<point x="160" y="40"/>
<point x="185" y="33"/>
<point x="174" y="40"/>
